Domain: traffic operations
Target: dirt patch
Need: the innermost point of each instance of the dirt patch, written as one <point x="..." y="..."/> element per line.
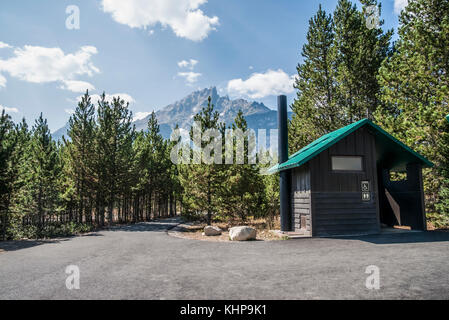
<point x="195" y="232"/>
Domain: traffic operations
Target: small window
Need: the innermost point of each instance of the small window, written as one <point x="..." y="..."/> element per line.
<point x="347" y="164"/>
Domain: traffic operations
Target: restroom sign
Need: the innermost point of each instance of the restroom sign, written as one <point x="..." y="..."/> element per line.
<point x="366" y="196"/>
<point x="365" y="186"/>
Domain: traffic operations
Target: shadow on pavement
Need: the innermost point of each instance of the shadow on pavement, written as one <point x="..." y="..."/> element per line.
<point x="15" y="245"/>
<point x="403" y="237"/>
<point x="151" y="226"/>
<point x="25" y="244"/>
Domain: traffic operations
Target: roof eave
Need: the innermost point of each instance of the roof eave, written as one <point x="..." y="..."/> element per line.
<point x="280" y="167"/>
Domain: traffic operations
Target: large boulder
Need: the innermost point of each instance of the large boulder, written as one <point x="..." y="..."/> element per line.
<point x="212" y="231"/>
<point x="242" y="233"/>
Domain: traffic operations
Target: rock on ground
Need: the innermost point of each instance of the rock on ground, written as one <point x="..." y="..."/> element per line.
<point x="242" y="233"/>
<point x="212" y="231"/>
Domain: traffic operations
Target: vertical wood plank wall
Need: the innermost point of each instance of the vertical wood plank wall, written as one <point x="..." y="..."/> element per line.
<point x="301" y="200"/>
<point x="336" y="197"/>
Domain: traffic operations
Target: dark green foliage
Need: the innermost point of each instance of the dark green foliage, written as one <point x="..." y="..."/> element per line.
<point x="315" y="110"/>
<point x="415" y="89"/>
<point x="270" y="206"/>
<point x="38" y="196"/>
<point x="79" y="151"/>
<point x="360" y="52"/>
<point x="226" y="191"/>
<point x="203" y="196"/>
<point x="157" y="175"/>
<point x="8" y="144"/>
<point x="337" y="82"/>
<point x="443" y="203"/>
<point x="114" y="147"/>
<point x="104" y="172"/>
<point x="243" y="192"/>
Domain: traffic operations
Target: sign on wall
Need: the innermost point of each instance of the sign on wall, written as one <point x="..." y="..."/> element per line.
<point x="366" y="191"/>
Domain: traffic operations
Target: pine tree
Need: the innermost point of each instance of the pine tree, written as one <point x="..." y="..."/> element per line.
<point x="80" y="150"/>
<point x="443" y="204"/>
<point x="49" y="188"/>
<point x="153" y="163"/>
<point x="337" y="82"/>
<point x="242" y="190"/>
<point x="360" y="52"/>
<point x="415" y="86"/>
<point x="314" y="110"/>
<point x="8" y="143"/>
<point x="158" y="170"/>
<point x="114" y="148"/>
<point x="40" y="173"/>
<point x="203" y="195"/>
<point x="271" y="204"/>
<point x="18" y="161"/>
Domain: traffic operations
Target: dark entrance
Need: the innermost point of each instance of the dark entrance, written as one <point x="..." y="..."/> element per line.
<point x="401" y="202"/>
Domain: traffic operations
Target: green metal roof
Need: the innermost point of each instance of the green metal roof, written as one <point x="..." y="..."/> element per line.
<point x="392" y="152"/>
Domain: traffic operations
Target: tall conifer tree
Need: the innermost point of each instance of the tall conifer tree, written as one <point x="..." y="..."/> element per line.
<point x="243" y="188"/>
<point x="80" y="151"/>
<point x="40" y="175"/>
<point x="202" y="182"/>
<point x="415" y="86"/>
<point x="314" y="110"/>
<point x="337" y="82"/>
<point x="114" y="149"/>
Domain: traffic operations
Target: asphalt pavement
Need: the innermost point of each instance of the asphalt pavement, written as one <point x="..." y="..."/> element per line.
<point x="143" y="262"/>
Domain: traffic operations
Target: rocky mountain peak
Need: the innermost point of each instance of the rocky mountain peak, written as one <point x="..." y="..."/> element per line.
<point x="182" y="112"/>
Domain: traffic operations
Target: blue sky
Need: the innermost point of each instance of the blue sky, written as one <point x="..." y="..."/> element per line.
<point x="152" y="52"/>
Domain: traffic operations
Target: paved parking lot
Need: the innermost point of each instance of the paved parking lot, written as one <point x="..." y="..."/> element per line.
<point x="143" y="262"/>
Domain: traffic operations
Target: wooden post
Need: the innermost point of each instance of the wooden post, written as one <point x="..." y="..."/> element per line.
<point x="416" y="188"/>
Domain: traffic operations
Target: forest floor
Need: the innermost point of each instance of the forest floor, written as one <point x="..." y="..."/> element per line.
<point x="142" y="261"/>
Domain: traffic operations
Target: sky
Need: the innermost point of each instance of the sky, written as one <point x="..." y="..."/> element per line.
<point x="150" y="52"/>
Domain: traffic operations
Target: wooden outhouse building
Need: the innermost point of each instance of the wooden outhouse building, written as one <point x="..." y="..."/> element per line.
<point x="343" y="183"/>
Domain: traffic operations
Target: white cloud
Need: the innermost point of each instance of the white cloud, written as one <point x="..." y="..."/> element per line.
<point x="141" y="115"/>
<point x="77" y="86"/>
<point x="399" y="5"/>
<point x="191" y="77"/>
<point x="260" y="85"/>
<point x="188" y="64"/>
<point x="183" y="16"/>
<point x="69" y="111"/>
<point x="96" y="97"/>
<point x="8" y="110"/>
<point x="2" y="81"/>
<point x="43" y="65"/>
<point x="4" y="45"/>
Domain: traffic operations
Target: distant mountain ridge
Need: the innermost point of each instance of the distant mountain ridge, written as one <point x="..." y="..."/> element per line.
<point x="257" y="115"/>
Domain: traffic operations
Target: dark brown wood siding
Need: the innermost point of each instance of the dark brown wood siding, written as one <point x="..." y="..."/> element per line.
<point x="301" y="200"/>
<point x="336" y="197"/>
